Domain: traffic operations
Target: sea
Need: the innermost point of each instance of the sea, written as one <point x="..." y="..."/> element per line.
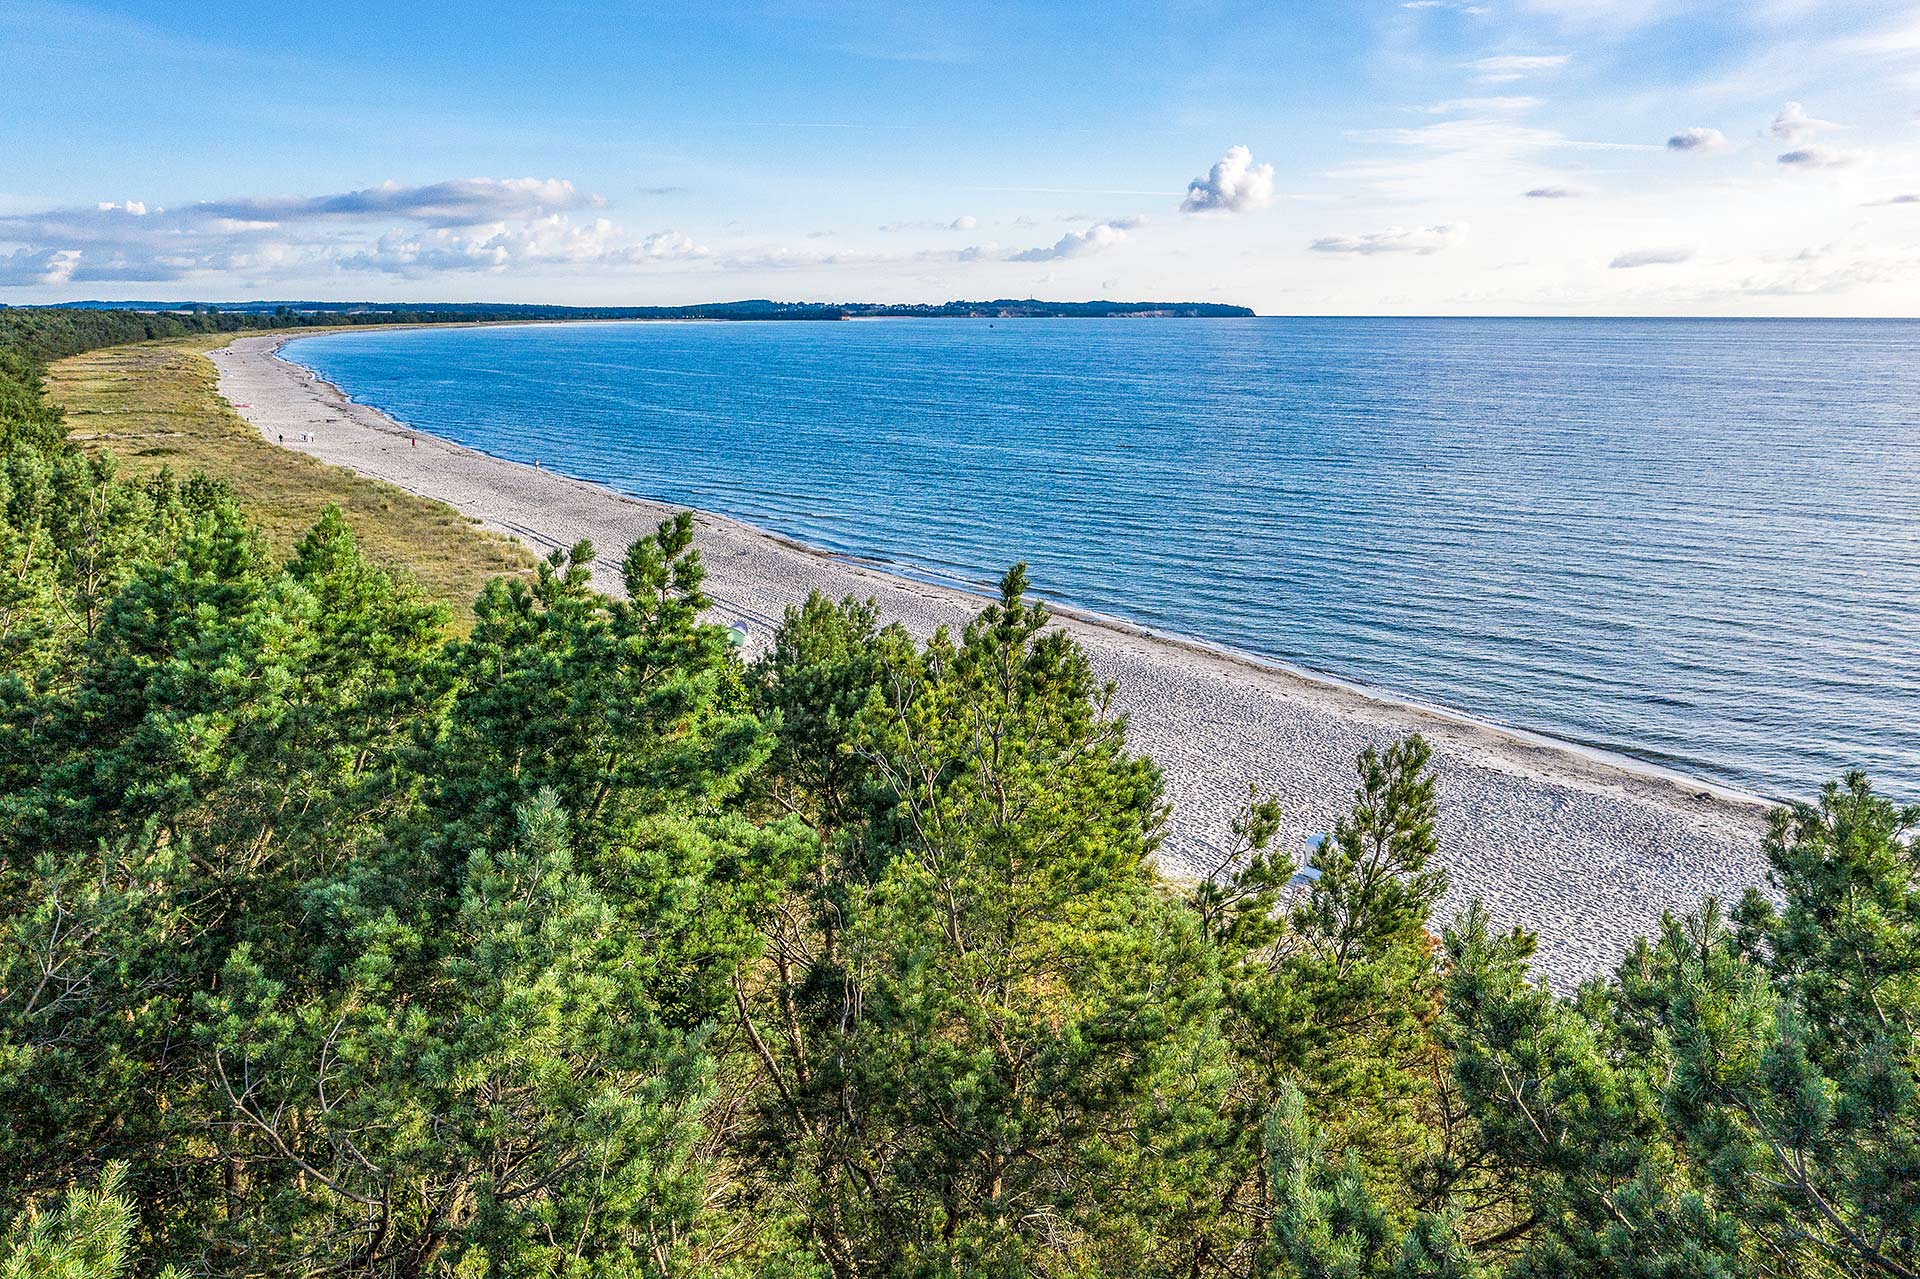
<point x="1695" y="543"/>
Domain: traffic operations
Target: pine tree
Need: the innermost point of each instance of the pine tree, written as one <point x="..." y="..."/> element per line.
<point x="1013" y="1029"/>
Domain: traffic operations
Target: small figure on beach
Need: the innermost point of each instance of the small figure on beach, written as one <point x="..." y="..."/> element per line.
<point x="283" y="437"/>
<point x="414" y="440"/>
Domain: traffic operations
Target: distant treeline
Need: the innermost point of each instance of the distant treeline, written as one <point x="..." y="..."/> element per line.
<point x="752" y="309"/>
<point x="333" y="943"/>
<point x="39" y="334"/>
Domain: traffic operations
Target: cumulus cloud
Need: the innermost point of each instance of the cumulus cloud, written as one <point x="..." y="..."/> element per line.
<point x="38" y="266"/>
<point x="1507" y="67"/>
<point x="1793" y="123"/>
<point x="1557" y="193"/>
<point x="965" y="222"/>
<point x="662" y="245"/>
<point x="1079" y="244"/>
<point x="1428" y="239"/>
<point x="1818" y="157"/>
<point x="1235" y="184"/>
<point x="551" y="241"/>
<point x="1650" y="257"/>
<point x="1698" y="138"/>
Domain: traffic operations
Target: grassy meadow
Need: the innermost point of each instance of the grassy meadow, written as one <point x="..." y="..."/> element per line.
<point x="154" y="404"/>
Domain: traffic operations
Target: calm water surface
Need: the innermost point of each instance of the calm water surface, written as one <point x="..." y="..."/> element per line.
<point x="1693" y="542"/>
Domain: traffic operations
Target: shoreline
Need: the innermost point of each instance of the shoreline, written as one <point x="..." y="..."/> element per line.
<point x="1580" y="845"/>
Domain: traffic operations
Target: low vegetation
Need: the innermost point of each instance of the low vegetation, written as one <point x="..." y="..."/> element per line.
<point x="154" y="406"/>
<point x="334" y="942"/>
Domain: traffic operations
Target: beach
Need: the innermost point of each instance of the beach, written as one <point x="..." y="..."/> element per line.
<point x="1584" y="849"/>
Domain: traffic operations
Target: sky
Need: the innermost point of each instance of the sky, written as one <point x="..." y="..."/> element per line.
<point x="1430" y="157"/>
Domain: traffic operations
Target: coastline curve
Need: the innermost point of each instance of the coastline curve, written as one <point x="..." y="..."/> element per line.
<point x="1582" y="846"/>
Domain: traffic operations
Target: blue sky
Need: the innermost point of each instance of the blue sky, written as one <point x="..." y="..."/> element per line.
<point x="1433" y="157"/>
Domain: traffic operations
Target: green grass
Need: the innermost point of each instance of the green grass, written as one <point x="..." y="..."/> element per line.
<point x="154" y="404"/>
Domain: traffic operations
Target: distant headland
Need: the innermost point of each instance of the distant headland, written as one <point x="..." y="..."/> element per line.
<point x="753" y="309"/>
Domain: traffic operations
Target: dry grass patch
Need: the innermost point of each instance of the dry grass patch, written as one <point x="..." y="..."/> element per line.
<point x="154" y="404"/>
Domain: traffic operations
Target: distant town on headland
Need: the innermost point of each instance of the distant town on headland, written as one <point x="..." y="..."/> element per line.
<point x="753" y="309"/>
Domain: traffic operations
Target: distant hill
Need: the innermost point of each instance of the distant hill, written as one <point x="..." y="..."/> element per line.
<point x="752" y="309"/>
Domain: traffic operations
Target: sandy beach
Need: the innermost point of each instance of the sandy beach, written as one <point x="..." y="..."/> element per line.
<point x="1585" y="850"/>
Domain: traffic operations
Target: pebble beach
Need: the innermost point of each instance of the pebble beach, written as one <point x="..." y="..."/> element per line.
<point x="1584" y="849"/>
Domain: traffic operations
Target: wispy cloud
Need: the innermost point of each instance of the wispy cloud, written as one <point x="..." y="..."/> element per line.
<point x="965" y="222"/>
<point x="1428" y="239"/>
<point x="1818" y="157"/>
<point x="1892" y="199"/>
<point x="465" y="202"/>
<point x="1235" y="184"/>
<point x="1620" y="15"/>
<point x="1503" y="104"/>
<point x="1505" y="68"/>
<point x="1558" y="193"/>
<point x="1650" y="257"/>
<point x="1466" y="153"/>
<point x="1482" y="133"/>
<point x="1825" y="270"/>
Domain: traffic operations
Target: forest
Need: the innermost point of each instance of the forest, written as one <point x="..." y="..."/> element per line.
<point x="336" y="939"/>
<point x="229" y="316"/>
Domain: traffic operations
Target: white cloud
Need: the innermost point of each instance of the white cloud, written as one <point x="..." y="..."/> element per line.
<point x="551" y="241"/>
<point x="1235" y="184"/>
<point x="1558" y="193"/>
<point x="1501" y="105"/>
<point x="1429" y="239"/>
<point x="1818" y="157"/>
<point x="1698" y="138"/>
<point x="463" y="202"/>
<point x="965" y="222"/>
<point x="1507" y="67"/>
<point x="475" y="224"/>
<point x="1616" y="14"/>
<point x="1490" y="155"/>
<point x="38" y="266"/>
<point x="1893" y="199"/>
<point x="1650" y="257"/>
<point x="1079" y="244"/>
<point x="1490" y="138"/>
<point x="663" y="245"/>
<point x="1793" y="123"/>
<point x="1824" y="270"/>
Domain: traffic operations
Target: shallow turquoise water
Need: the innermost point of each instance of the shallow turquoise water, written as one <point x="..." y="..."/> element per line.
<point x="1695" y="542"/>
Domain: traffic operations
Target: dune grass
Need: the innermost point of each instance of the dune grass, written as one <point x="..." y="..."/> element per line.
<point x="154" y="404"/>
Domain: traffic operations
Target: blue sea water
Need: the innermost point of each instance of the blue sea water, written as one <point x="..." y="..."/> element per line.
<point x="1695" y="542"/>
